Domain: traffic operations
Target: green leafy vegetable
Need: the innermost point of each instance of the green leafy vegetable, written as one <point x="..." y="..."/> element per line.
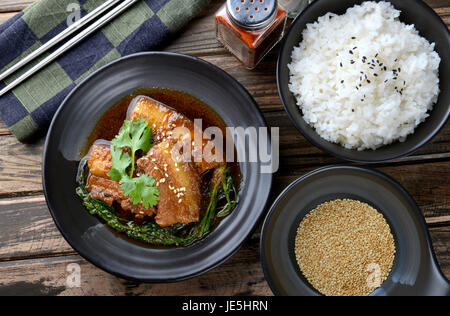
<point x="134" y="136"/>
<point x="223" y="190"/>
<point x="221" y="180"/>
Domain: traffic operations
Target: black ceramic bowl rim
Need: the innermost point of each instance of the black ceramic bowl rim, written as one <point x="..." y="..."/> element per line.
<point x="377" y="174"/>
<point x="95" y="262"/>
<point x="320" y="144"/>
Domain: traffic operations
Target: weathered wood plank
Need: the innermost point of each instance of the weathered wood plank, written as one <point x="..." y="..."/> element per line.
<point x="440" y="237"/>
<point x="48" y="276"/>
<point x="6" y="16"/>
<point x="20" y="165"/>
<point x="14" y="5"/>
<point x="294" y="145"/>
<point x="27" y="229"/>
<point x="428" y="184"/>
<point x="440" y="220"/>
<point x="436" y="4"/>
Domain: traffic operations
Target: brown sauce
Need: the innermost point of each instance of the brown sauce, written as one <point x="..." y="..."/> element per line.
<point x="111" y="122"/>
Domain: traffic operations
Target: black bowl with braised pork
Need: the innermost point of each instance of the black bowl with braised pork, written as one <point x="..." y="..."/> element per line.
<point x="116" y="190"/>
<point x="141" y="183"/>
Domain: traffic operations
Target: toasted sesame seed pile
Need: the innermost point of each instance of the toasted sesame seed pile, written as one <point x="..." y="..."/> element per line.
<point x="345" y="248"/>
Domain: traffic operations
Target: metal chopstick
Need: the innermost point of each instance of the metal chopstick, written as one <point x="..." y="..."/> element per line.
<point x="73" y="42"/>
<point x="61" y="36"/>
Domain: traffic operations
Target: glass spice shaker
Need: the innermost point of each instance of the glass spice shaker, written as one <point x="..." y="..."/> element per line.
<point x="294" y="7"/>
<point x="249" y="29"/>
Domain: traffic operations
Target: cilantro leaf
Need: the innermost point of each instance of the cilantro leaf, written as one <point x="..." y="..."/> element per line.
<point x="121" y="161"/>
<point x="141" y="190"/>
<point x="134" y="136"/>
<point x="141" y="136"/>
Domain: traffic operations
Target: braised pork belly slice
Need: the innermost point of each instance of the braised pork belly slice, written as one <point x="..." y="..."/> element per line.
<point x="102" y="188"/>
<point x="178" y="183"/>
<point x="100" y="160"/>
<point x="108" y="191"/>
<point x="170" y="124"/>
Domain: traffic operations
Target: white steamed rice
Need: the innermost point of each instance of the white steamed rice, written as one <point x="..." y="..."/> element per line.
<point x="388" y="105"/>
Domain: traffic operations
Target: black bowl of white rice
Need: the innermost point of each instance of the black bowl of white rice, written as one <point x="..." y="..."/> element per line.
<point x="367" y="81"/>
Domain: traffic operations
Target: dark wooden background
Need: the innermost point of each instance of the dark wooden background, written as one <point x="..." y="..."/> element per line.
<point x="34" y="256"/>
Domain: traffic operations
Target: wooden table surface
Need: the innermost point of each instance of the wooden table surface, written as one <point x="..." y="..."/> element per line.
<point x="34" y="257"/>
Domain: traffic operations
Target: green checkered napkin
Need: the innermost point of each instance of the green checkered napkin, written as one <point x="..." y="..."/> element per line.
<point x="28" y="109"/>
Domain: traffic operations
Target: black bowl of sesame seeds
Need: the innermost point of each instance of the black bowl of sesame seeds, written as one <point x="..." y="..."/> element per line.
<point x="429" y="25"/>
<point x="342" y="241"/>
